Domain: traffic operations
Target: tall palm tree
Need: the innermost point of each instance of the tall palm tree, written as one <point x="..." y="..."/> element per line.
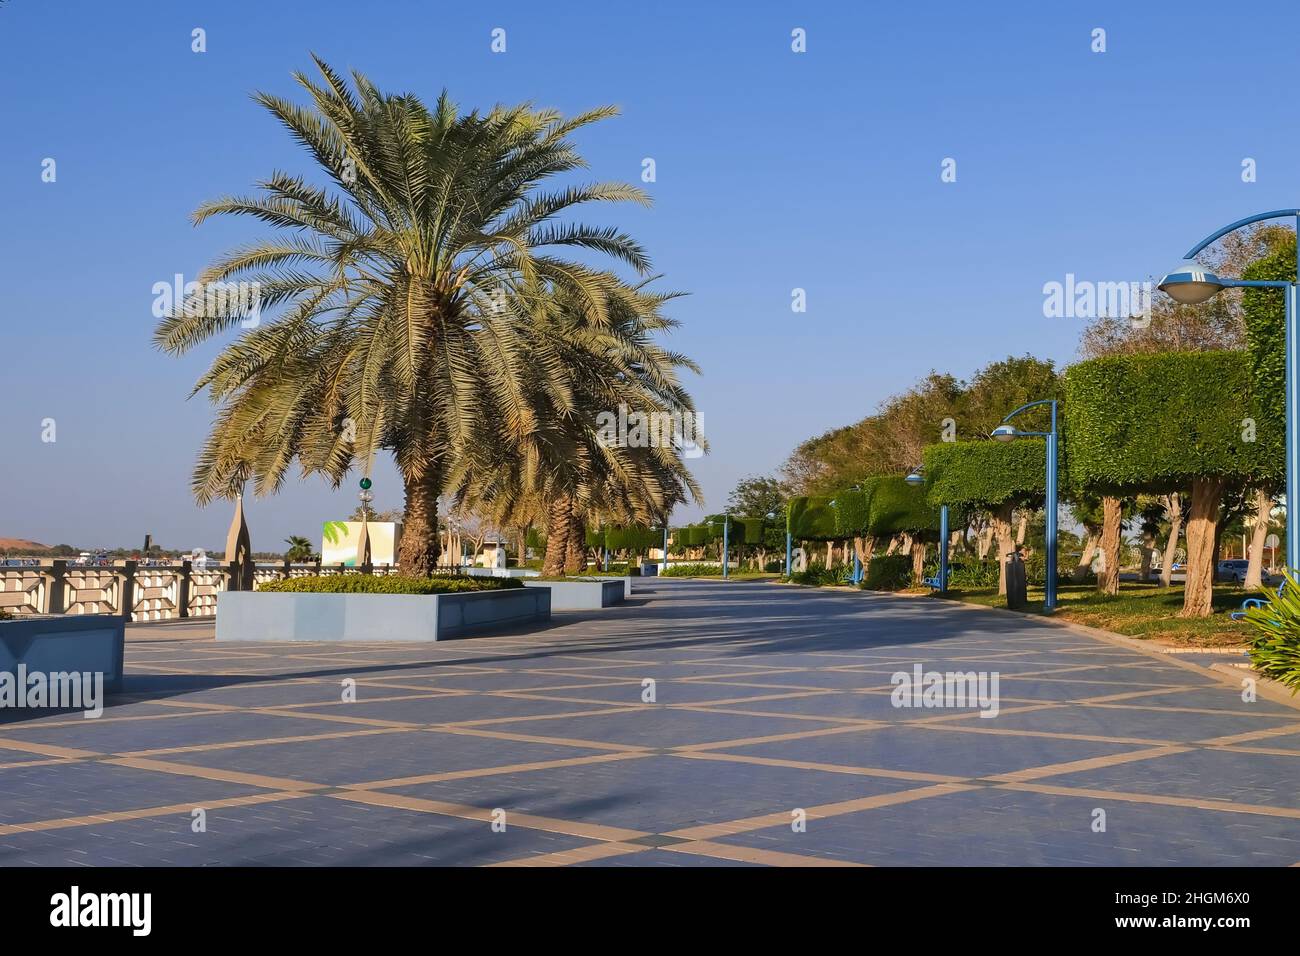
<point x="406" y="290"/>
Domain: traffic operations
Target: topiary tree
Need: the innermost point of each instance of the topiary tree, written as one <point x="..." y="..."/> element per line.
<point x="812" y="518"/>
<point x="1162" y="422"/>
<point x="901" y="508"/>
<point x="988" y="476"/>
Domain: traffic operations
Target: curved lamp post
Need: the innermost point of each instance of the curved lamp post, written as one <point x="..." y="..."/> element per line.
<point x="1006" y="432"/>
<point x="789" y="542"/>
<point x="1191" y="284"/>
<point x="916" y="478"/>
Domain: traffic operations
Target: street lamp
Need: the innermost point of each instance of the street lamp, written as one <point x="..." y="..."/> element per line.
<point x="726" y="527"/>
<point x="916" y="478"/>
<point x="1191" y="284"/>
<point x="789" y="542"/>
<point x="1005" y="432"/>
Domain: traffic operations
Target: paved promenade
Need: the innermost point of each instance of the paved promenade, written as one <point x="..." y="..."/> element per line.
<point x="771" y="739"/>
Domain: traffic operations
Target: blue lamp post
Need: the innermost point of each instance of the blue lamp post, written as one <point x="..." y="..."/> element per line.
<point x="665" y="564"/>
<point x="917" y="477"/>
<point x="789" y="542"/>
<point x="1191" y="284"/>
<point x="726" y="528"/>
<point x="1005" y="432"/>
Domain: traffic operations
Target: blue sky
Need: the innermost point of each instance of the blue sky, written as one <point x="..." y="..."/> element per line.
<point x="775" y="170"/>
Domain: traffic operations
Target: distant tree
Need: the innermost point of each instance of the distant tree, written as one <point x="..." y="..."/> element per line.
<point x="300" y="549"/>
<point x="758" y="496"/>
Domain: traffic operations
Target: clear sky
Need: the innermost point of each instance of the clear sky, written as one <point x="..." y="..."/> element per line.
<point x="776" y="170"/>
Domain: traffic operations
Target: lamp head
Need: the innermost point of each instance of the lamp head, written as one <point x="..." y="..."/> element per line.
<point x="1191" y="284"/>
<point x="915" y="478"/>
<point x="1004" y="433"/>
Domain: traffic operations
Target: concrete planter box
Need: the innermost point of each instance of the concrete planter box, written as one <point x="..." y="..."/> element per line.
<point x="578" y="595"/>
<point x="92" y="643"/>
<point x="291" y="616"/>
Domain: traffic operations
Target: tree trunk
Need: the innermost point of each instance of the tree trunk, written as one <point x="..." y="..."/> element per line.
<point x="918" y="562"/>
<point x="575" y="558"/>
<point x="417" y="554"/>
<point x="1174" y="508"/>
<point x="1001" y="526"/>
<point x="984" y="542"/>
<point x="523" y="544"/>
<point x="558" y="525"/>
<point x="1148" y="549"/>
<point x="1022" y="528"/>
<point x="1112" y="523"/>
<point x="1085" y="559"/>
<point x="1202" y="523"/>
<point x="1258" y="535"/>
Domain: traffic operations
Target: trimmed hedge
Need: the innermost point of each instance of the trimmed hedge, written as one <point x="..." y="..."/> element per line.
<point x="1265" y="315"/>
<point x="691" y="570"/>
<point x="853" y="509"/>
<point x="986" y="474"/>
<point x="388" y="584"/>
<point x="633" y="538"/>
<point x="812" y="519"/>
<point x="1152" y="423"/>
<point x="900" y="508"/>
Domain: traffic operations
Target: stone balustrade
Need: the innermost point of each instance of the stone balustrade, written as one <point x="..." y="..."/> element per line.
<point x="143" y="592"/>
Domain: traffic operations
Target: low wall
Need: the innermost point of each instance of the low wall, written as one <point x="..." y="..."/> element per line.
<point x="587" y="595"/>
<point x="92" y="643"/>
<point x="300" y="616"/>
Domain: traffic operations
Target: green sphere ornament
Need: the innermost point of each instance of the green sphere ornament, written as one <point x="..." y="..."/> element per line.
<point x="365" y="484"/>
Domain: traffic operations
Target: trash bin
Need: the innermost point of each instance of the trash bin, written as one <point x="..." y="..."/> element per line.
<point x="1016" y="584"/>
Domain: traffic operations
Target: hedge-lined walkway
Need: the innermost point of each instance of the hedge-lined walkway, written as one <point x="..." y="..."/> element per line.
<point x="768" y="700"/>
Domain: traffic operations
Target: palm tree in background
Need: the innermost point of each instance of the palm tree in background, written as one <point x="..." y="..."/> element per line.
<point x="407" y="291"/>
<point x="299" y="550"/>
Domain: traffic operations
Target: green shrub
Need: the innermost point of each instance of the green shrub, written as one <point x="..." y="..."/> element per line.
<point x="818" y="576"/>
<point x="1275" y="651"/>
<point x="891" y="572"/>
<point x="691" y="570"/>
<point x="388" y="584"/>
<point x="967" y="573"/>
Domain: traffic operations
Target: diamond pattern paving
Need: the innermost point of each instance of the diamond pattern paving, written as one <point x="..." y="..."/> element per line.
<point x="770" y="739"/>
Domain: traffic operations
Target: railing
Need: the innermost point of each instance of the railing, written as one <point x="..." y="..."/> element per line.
<point x="145" y="593"/>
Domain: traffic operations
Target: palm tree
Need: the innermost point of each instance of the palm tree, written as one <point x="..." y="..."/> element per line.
<point x="300" y="549"/>
<point x="406" y="293"/>
<point x="566" y="471"/>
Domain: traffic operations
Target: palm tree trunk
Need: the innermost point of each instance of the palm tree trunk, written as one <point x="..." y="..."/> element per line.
<point x="557" y="537"/>
<point x="575" y="556"/>
<point x="1111" y="525"/>
<point x="418" y="552"/>
<point x="918" y="561"/>
<point x="1202" y="522"/>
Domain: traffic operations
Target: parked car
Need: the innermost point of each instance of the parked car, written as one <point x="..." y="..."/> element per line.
<point x="1234" y="569"/>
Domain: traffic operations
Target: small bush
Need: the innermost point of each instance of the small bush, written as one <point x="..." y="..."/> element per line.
<point x="691" y="570"/>
<point x="388" y="584"/>
<point x="891" y="572"/>
<point x="1275" y="652"/>
<point x="818" y="576"/>
<point x="967" y="573"/>
<point x="777" y="567"/>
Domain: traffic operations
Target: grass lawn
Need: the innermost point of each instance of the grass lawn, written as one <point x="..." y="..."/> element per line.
<point x="1144" y="611"/>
